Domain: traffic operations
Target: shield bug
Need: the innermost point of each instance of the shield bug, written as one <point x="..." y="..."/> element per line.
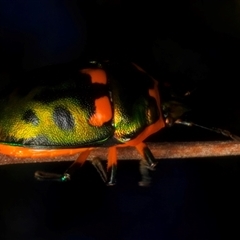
<point x="108" y="104"/>
<point x="59" y="113"/>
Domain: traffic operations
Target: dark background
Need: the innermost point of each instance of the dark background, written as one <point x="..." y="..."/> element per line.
<point x="190" y="45"/>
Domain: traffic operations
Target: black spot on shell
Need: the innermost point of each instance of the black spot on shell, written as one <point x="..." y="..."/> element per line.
<point x="30" y="117"/>
<point x="63" y="118"/>
<point x="37" y="141"/>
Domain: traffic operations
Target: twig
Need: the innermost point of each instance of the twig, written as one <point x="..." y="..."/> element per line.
<point x="177" y="150"/>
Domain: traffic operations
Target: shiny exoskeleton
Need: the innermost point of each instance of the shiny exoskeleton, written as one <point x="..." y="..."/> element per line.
<point x="108" y="104"/>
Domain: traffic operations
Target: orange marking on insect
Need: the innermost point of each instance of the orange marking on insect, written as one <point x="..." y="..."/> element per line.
<point x="152" y="92"/>
<point x="103" y="112"/>
<point x="97" y="75"/>
<point x="140" y="147"/>
<point x="83" y="156"/>
<point x="153" y="128"/>
<point x="24" y="152"/>
<point x="80" y="161"/>
<point x="112" y="157"/>
<point x="149" y="130"/>
<point x="155" y="94"/>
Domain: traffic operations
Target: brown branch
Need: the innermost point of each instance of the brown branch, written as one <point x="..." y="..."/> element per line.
<point x="178" y="150"/>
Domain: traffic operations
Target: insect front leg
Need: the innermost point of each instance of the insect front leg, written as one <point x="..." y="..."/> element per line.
<point x="147" y="163"/>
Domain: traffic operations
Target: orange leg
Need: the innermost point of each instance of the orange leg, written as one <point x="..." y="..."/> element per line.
<point x="78" y="163"/>
<point x="66" y="176"/>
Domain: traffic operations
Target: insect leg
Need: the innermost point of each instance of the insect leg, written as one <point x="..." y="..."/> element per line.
<point x="147" y="163"/>
<point x="144" y="170"/>
<point x="112" y="163"/>
<point x="96" y="162"/>
<point x="43" y="176"/>
<point x="147" y="155"/>
<point x="66" y="176"/>
<point x="78" y="163"/>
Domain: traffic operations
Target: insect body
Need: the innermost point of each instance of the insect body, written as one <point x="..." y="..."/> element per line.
<point x="113" y="105"/>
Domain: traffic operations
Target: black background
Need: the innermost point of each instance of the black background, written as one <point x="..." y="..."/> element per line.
<point x="188" y="44"/>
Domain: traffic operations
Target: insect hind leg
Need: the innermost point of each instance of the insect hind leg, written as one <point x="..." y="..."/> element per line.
<point x="66" y="176"/>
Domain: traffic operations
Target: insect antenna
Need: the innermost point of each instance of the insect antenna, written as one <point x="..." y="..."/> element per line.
<point x="212" y="129"/>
